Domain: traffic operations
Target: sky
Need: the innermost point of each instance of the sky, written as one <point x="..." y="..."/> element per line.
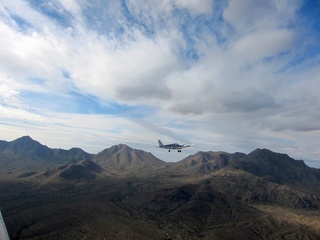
<point x="221" y="75"/>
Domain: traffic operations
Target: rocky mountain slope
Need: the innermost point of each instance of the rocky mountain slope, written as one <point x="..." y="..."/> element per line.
<point x="27" y="155"/>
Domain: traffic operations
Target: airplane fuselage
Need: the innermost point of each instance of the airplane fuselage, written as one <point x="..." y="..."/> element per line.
<point x="174" y="146"/>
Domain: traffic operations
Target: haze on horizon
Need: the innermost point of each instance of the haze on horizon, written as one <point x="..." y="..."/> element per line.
<point x="223" y="75"/>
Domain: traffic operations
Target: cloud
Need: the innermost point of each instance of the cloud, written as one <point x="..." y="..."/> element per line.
<point x="71" y="6"/>
<point x="9" y="94"/>
<point x="203" y="7"/>
<point x="145" y="90"/>
<point x="152" y="11"/>
<point x="264" y="44"/>
<point x="221" y="73"/>
<point x="140" y="65"/>
<point x="251" y="15"/>
<point x="13" y="114"/>
<point x="187" y="107"/>
<point x="248" y="100"/>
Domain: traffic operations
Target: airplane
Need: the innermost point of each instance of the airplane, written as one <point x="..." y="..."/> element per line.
<point x="172" y="146"/>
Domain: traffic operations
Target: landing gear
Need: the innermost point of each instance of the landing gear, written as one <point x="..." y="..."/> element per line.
<point x="178" y="150"/>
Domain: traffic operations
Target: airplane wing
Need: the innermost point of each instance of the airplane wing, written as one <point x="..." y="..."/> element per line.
<point x="3" y="231"/>
<point x="185" y="146"/>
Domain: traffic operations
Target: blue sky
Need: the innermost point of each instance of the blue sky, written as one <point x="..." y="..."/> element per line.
<point x="221" y="75"/>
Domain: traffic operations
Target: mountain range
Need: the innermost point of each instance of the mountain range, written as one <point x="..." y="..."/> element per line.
<point x="125" y="193"/>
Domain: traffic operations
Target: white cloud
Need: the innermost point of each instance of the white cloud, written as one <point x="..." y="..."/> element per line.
<point x="199" y="7"/>
<point x="155" y="9"/>
<point x="9" y="92"/>
<point x="142" y="65"/>
<point x="251" y="15"/>
<point x="71" y="6"/>
<point x="36" y="20"/>
<point x="13" y="114"/>
<point x="26" y="56"/>
<point x="259" y="45"/>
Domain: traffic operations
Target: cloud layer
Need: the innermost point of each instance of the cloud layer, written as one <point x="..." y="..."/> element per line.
<point x="226" y="75"/>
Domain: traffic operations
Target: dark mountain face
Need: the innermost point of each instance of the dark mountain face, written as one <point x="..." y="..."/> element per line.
<point x="275" y="167"/>
<point x="206" y="162"/>
<point x="279" y="168"/>
<point x="72" y="155"/>
<point x="25" y="147"/>
<point x="263" y="162"/>
<point x="198" y="204"/>
<point x="27" y="155"/>
<point x="84" y="170"/>
<point x="261" y="177"/>
<point x="3" y="145"/>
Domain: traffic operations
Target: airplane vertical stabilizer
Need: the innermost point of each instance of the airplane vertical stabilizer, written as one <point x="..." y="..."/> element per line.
<point x="160" y="143"/>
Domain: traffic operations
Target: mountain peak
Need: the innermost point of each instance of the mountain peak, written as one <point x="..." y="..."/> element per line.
<point x="276" y="166"/>
<point x="117" y="148"/>
<point x="27" y="155"/>
<point x="266" y="156"/>
<point x="25" y="144"/>
<point x="124" y="158"/>
<point x="26" y="141"/>
<point x="122" y="146"/>
<point x="24" y="138"/>
<point x="263" y="151"/>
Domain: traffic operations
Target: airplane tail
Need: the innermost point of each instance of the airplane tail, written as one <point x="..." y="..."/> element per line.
<point x="160" y="143"/>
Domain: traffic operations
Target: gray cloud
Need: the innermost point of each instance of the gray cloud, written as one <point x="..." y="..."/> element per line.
<point x="248" y="101"/>
<point x="249" y="15"/>
<point x="143" y="91"/>
<point x="191" y="106"/>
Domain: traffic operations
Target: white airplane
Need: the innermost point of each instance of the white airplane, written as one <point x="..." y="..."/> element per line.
<point x="172" y="146"/>
<point x="3" y="231"/>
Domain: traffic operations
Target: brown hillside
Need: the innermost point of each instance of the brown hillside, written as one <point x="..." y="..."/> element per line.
<point x="121" y="158"/>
